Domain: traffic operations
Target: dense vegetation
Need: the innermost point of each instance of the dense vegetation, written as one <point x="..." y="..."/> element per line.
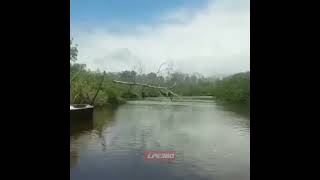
<point x="84" y="84"/>
<point x="235" y="88"/>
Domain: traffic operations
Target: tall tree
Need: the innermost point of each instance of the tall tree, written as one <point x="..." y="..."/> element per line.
<point x="73" y="51"/>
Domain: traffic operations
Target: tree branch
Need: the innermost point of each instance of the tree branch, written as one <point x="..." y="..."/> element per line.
<point x="145" y="85"/>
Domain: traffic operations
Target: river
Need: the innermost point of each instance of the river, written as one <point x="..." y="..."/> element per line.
<point x="211" y="140"/>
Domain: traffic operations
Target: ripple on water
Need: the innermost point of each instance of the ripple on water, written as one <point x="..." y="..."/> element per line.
<point x="210" y="143"/>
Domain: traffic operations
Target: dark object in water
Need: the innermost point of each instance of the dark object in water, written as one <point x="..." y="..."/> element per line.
<point x="79" y="126"/>
<point x="81" y="112"/>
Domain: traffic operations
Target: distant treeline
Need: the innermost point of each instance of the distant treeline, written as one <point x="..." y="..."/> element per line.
<point x="235" y="88"/>
<point x="84" y="84"/>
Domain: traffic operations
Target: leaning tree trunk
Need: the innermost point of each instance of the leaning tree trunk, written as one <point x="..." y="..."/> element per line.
<point x="169" y="92"/>
<point x="99" y="87"/>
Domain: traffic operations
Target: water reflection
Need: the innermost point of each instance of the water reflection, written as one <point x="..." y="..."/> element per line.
<point x="78" y="127"/>
<point x="238" y="109"/>
<point x="211" y="142"/>
<point x="74" y="157"/>
<point x="92" y="127"/>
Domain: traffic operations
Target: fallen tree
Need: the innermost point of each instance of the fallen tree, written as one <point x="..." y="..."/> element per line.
<point x="165" y="91"/>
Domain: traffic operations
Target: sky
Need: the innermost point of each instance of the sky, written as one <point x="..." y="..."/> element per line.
<point x="211" y="37"/>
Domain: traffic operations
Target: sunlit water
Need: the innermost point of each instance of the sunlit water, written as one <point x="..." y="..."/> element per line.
<point x="211" y="141"/>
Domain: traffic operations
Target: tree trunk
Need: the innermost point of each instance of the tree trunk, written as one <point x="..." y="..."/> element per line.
<point x="94" y="98"/>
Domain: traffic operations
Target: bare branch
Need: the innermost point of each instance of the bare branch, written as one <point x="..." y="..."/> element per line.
<point x="159" y="70"/>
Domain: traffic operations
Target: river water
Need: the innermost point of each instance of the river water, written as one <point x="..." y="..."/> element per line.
<point x="211" y="140"/>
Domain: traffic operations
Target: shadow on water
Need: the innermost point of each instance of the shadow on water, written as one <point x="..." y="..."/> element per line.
<point x="102" y="117"/>
<point x="77" y="128"/>
<point x="242" y="110"/>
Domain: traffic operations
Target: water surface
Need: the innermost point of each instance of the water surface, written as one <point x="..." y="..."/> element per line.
<point x="211" y="141"/>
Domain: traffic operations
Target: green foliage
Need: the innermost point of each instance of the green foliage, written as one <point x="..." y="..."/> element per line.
<point x="84" y="84"/>
<point x="235" y="88"/>
<point x="73" y="51"/>
<point x="113" y="99"/>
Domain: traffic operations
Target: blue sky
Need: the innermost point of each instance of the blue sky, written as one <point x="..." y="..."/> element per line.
<point x="211" y="37"/>
<point x="126" y="11"/>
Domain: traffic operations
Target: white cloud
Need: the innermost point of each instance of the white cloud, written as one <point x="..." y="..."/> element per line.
<point x="215" y="40"/>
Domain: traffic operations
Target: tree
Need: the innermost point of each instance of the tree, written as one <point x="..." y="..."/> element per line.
<point x="128" y="76"/>
<point x="73" y="51"/>
<point x="235" y="88"/>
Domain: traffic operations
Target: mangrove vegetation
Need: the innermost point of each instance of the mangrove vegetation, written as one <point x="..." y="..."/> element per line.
<point x="114" y="88"/>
